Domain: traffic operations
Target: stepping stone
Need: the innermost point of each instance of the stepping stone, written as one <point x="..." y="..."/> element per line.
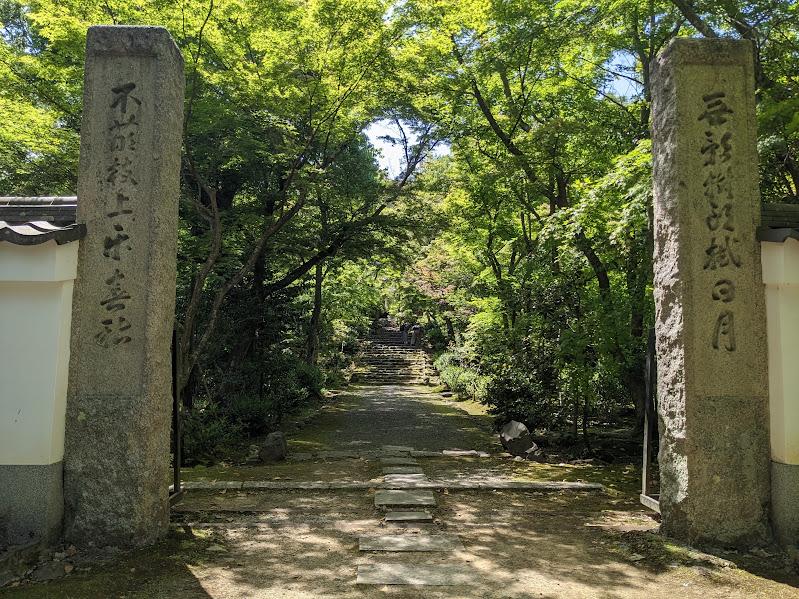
<point x="464" y="453"/>
<point x="404" y="479"/>
<point x="402" y="470"/>
<point x="397" y="448"/>
<point x="410" y="543"/>
<point x="337" y="455"/>
<point x="398" y="461"/>
<point x="409" y="517"/>
<point x="398" y="497"/>
<point x="417" y="575"/>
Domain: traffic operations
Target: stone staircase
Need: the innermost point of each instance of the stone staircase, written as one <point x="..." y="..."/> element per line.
<point x="386" y="360"/>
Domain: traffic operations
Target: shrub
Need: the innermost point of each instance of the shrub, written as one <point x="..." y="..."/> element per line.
<point x="466" y="382"/>
<point x="255" y="415"/>
<point x="208" y="434"/>
<point x="515" y="394"/>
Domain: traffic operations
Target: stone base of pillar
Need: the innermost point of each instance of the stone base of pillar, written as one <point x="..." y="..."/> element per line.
<point x="31" y="503"/>
<point x="785" y="502"/>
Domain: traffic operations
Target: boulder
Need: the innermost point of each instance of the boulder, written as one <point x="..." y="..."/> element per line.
<point x="274" y="448"/>
<point x="516" y="439"/>
<point x="535" y="454"/>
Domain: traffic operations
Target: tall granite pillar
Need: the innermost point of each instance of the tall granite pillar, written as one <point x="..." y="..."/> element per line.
<point x="710" y="312"/>
<point x="118" y="405"/>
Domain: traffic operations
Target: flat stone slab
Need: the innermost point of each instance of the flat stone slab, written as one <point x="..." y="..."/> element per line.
<point x="422" y="483"/>
<point x="409" y="517"/>
<point x="398" y="461"/>
<point x="416" y="575"/>
<point x="211" y="485"/>
<point x="403" y="479"/>
<point x="465" y="453"/>
<point x="395" y="497"/>
<point x="402" y="470"/>
<point x="410" y="543"/>
<point x="338" y="455"/>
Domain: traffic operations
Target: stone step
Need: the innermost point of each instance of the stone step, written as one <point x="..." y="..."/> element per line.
<point x="415" y="575"/>
<point x="386" y="498"/>
<point x="402" y="481"/>
<point x="410" y="542"/>
<point x="409" y="516"/>
<point x="402" y="470"/>
<point x="392" y="461"/>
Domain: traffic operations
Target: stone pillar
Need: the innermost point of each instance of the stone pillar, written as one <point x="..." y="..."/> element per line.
<point x="710" y="312"/>
<point x="780" y="257"/>
<point x="116" y="472"/>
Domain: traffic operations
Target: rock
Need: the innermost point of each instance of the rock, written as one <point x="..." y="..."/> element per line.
<point x="535" y="454"/>
<point x="274" y="448"/>
<point x="48" y="571"/>
<point x="516" y="439"/>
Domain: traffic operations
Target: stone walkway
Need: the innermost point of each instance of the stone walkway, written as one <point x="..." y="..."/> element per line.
<point x="395" y="492"/>
<point x="400" y="478"/>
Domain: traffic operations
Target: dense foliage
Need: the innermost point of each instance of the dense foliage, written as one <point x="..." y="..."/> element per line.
<point x="526" y="246"/>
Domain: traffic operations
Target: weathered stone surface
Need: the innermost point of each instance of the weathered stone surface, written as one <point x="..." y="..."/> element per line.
<point x="785" y="502"/>
<point x="396" y="450"/>
<point x="31" y="496"/>
<point x="337" y="455"/>
<point x="399" y="481"/>
<point x="410" y="542"/>
<point x="485" y="483"/>
<point x="414" y="574"/>
<point x="534" y="454"/>
<point x="116" y="467"/>
<point x="274" y="448"/>
<point x="516" y="439"/>
<point x="710" y="313"/>
<point x="49" y="571"/>
<point x="394" y="461"/>
<point x="400" y="516"/>
<point x="465" y="453"/>
<point x="211" y="485"/>
<point x="402" y="470"/>
<point x="393" y="497"/>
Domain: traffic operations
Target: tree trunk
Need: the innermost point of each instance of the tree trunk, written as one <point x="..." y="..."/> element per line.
<point x="315" y="325"/>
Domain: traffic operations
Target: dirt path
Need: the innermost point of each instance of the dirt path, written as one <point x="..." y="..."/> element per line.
<point x="376" y="416"/>
<point x="516" y="544"/>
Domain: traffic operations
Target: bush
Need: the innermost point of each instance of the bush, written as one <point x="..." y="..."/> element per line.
<point x="446" y="359"/>
<point x="466" y="382"/>
<point x="515" y="394"/>
<point x="208" y="434"/>
<point x="254" y="415"/>
<point x="309" y="377"/>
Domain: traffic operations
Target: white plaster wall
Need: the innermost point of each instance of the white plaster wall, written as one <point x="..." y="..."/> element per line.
<point x="35" y="314"/>
<point x="781" y="277"/>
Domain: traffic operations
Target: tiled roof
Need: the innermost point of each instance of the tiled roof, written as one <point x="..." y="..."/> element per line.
<point x="34" y="220"/>
<point x="779" y="222"/>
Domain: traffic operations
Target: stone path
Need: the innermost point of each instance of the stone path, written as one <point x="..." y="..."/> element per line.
<point x="397" y="574"/>
<point x="511" y="530"/>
